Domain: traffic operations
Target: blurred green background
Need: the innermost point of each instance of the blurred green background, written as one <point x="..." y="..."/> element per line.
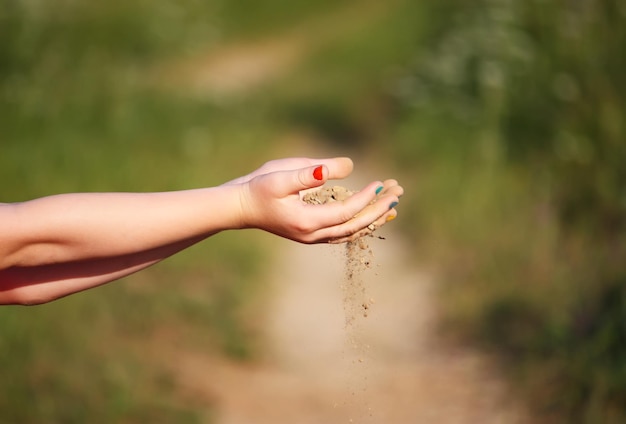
<point x="505" y="121"/>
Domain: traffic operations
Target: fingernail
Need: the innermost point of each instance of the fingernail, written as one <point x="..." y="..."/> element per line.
<point x="318" y="173"/>
<point x="379" y="189"/>
<point x="391" y="218"/>
<point x="393" y="205"/>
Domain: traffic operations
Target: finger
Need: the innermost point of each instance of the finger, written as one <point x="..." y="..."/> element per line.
<point x="291" y="182"/>
<point x="339" y="212"/>
<point x="368" y="215"/>
<point x="376" y="213"/>
<point x="338" y="168"/>
<point x="389" y="216"/>
<point x="396" y="190"/>
<point x="364" y="232"/>
<point x="391" y="187"/>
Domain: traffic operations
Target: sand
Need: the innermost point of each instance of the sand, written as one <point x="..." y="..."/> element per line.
<point x="359" y="256"/>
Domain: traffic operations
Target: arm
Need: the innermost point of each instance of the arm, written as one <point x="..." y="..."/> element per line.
<point x="74" y="227"/>
<point x="58" y="245"/>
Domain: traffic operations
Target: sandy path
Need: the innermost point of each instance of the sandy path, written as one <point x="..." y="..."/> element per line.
<point x="399" y="373"/>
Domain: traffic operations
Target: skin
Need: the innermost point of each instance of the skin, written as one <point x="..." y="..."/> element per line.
<point x="55" y="246"/>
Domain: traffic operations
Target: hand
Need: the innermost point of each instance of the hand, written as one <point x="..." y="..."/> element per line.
<point x="390" y="187"/>
<point x="271" y="200"/>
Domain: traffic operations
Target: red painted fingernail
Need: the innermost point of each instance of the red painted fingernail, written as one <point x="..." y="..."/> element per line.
<point x="318" y="174"/>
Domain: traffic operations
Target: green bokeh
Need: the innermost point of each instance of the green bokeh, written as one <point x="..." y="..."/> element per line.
<point x="503" y="119"/>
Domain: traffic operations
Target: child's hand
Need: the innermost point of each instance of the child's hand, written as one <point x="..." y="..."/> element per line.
<point x="271" y="200"/>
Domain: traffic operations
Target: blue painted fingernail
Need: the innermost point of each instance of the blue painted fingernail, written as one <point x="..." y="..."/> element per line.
<point x="379" y="189"/>
<point x="393" y="205"/>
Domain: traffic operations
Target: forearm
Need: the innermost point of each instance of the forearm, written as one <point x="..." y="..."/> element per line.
<point x="77" y="227"/>
<point x="41" y="284"/>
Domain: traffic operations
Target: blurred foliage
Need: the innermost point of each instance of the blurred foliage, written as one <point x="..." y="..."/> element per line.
<point x="531" y="99"/>
<point x="550" y="76"/>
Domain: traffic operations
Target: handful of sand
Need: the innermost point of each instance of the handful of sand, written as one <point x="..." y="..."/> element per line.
<point x="327" y="195"/>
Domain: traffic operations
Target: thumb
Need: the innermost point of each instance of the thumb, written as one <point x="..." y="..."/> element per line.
<point x="283" y="183"/>
<point x="305" y="178"/>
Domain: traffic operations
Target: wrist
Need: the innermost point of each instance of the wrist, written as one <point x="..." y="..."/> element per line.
<point x="238" y="214"/>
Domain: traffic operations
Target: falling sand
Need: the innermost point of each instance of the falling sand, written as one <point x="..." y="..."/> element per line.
<point x="357" y="302"/>
<point x="359" y="257"/>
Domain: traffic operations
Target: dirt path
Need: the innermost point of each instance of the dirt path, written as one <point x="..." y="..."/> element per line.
<point x="389" y="367"/>
<point x="398" y="373"/>
<point x="311" y="371"/>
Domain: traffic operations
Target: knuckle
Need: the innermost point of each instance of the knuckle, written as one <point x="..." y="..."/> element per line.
<point x="304" y="226"/>
<point x="343" y="232"/>
<point x="346" y="214"/>
<point x="308" y="239"/>
<point x="301" y="180"/>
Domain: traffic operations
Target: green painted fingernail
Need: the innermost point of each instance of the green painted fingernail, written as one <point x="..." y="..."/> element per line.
<point x="379" y="189"/>
<point x="393" y="205"/>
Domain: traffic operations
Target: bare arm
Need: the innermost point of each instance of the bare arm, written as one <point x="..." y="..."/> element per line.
<point x="58" y="245"/>
<point x="75" y="227"/>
